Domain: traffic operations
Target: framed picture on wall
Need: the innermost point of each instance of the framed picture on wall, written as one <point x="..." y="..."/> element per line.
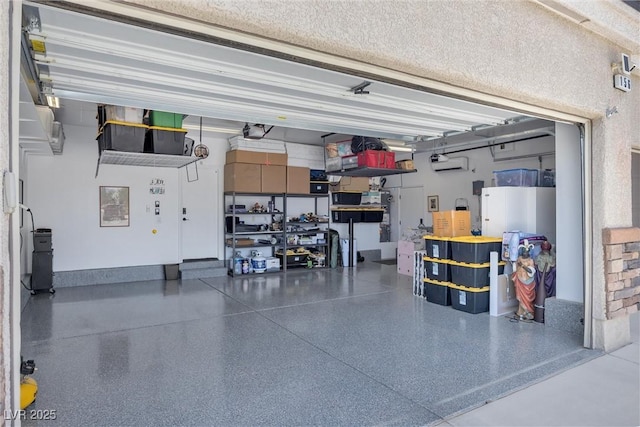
<point x="114" y="206"/>
<point x="432" y="204"/>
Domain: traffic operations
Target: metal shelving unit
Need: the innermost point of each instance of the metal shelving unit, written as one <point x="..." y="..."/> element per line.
<point x="112" y="157"/>
<point x="365" y="171"/>
<point x="230" y="198"/>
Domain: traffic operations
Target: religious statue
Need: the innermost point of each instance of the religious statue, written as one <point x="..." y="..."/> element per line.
<point x="524" y="280"/>
<point x="545" y="279"/>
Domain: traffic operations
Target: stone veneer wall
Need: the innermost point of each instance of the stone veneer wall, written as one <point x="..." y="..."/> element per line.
<point x="622" y="266"/>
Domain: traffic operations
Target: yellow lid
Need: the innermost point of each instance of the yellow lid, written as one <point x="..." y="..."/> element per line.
<point x="346" y="191"/>
<point x="347" y="209"/>
<point x="169" y="129"/>
<point x="430" y="237"/>
<point x="114" y="122"/>
<point x="440" y="260"/>
<point x="476" y="239"/>
<point x="467" y="289"/>
<point x="436" y="282"/>
<point x="471" y="265"/>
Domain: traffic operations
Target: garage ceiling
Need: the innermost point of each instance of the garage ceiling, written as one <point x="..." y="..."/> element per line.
<point x="101" y="61"/>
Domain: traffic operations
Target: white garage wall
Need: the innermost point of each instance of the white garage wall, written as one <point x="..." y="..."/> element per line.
<point x="447" y="185"/>
<point x="451" y="185"/>
<point x="63" y="194"/>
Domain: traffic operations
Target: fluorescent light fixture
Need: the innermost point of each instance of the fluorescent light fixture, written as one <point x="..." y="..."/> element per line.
<point x="401" y="149"/>
<point x="212" y="129"/>
<point x="398" y="145"/>
<point x="53" y="101"/>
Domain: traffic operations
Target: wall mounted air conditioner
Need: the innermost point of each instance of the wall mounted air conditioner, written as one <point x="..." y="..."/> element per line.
<point x="455" y="163"/>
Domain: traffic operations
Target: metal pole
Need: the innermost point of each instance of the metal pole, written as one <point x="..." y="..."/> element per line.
<point x="350" y="264"/>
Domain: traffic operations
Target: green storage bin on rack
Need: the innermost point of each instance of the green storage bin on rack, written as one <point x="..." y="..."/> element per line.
<point x="471" y="300"/>
<point x="437" y="269"/>
<point x="474" y="249"/>
<point x="165" y="120"/>
<point x="437" y="292"/>
<point x="472" y="275"/>
<point x="438" y="247"/>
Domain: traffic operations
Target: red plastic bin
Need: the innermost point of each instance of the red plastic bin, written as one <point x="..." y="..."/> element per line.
<point x="377" y="159"/>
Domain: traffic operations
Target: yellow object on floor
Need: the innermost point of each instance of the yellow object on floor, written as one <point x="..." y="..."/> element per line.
<point x="28" y="391"/>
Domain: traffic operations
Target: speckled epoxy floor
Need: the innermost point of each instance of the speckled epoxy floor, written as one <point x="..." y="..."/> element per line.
<point x="330" y="347"/>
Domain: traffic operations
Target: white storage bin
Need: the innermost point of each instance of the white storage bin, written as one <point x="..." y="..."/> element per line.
<point x="344" y="246"/>
<point x="123" y="114"/>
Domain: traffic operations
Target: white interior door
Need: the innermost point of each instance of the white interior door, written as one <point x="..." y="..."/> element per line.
<point x="412" y="208"/>
<point x="200" y="211"/>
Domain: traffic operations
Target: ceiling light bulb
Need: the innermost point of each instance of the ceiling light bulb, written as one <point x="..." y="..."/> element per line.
<point x="53" y="101"/>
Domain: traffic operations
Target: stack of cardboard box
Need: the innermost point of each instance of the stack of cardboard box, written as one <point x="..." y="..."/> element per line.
<point x="259" y="172"/>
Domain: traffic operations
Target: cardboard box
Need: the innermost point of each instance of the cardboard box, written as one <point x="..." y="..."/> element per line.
<point x="405" y="164"/>
<point x="256" y="157"/>
<point x="298" y="180"/>
<point x="351" y="183"/>
<point x="451" y="223"/>
<point x="242" y="177"/>
<point x="273" y="178"/>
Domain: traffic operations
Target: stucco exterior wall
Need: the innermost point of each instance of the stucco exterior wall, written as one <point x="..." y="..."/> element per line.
<point x="514" y="49"/>
<point x="517" y="50"/>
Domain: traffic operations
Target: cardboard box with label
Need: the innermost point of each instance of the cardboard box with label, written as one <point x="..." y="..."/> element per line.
<point x="451" y="223"/>
<point x="298" y="180"/>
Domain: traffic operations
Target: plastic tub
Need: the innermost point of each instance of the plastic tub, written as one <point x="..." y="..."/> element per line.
<point x="438" y="247"/>
<point x="346" y="197"/>
<point x="188" y="146"/>
<point x="472" y="275"/>
<point x="319" y="187"/>
<point x="474" y="249"/>
<point x="121" y="136"/>
<point x="471" y="300"/>
<point x="372" y="215"/>
<point x="123" y="114"/>
<point x="546" y="178"/>
<point x="165" y="120"/>
<point x="344" y="215"/>
<point x="437" y="269"/>
<point x="161" y="140"/>
<point x="516" y="178"/>
<point x="437" y="292"/>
